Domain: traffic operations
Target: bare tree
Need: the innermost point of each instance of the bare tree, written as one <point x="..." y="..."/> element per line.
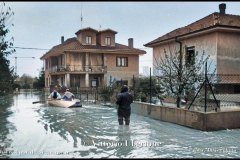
<point x="180" y="80"/>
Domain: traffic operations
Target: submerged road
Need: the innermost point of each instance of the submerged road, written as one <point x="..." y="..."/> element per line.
<point x="41" y="131"/>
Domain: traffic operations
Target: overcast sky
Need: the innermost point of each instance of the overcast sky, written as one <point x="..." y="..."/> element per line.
<point x="41" y="24"/>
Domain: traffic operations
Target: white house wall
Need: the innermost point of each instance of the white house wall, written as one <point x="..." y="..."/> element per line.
<point x="205" y="43"/>
<point x="228" y="53"/>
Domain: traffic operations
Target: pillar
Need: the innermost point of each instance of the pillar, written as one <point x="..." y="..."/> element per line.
<point x="67" y="80"/>
<point x="87" y="80"/>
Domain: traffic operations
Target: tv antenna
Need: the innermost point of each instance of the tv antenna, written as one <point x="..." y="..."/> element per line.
<point x="81" y="16"/>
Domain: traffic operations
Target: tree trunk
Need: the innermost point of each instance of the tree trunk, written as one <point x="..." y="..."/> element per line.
<point x="178" y="102"/>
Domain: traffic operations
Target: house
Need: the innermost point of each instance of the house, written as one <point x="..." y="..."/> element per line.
<point x="91" y="59"/>
<point x="217" y="35"/>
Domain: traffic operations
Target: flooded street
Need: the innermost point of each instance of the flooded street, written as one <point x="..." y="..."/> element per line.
<point x="41" y="131"/>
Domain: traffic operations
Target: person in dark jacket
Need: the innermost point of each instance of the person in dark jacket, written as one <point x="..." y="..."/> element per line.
<point x="55" y="94"/>
<point x="124" y="100"/>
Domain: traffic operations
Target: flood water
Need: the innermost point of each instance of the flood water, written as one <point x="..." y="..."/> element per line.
<point x="41" y="131"/>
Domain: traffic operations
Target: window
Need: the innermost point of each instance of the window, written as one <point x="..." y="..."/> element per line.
<point x="88" y="40"/>
<point x="108" y="41"/>
<point x="190" y="56"/>
<point x="122" y="61"/>
<point x="94" y="82"/>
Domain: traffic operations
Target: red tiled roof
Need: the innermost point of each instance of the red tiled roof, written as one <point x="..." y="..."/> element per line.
<point x="72" y="44"/>
<point x="213" y="20"/>
<point x="84" y="29"/>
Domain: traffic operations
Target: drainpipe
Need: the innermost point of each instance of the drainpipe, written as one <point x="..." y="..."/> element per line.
<point x="179" y="72"/>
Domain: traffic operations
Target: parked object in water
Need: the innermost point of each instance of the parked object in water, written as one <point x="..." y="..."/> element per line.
<point x="65" y="104"/>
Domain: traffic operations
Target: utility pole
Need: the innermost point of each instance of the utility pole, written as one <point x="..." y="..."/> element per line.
<point x="16" y="62"/>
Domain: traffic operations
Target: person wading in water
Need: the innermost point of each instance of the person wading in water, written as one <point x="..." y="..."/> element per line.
<point x="124" y="100"/>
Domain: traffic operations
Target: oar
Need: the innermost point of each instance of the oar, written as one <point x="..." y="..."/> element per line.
<point x="44" y="101"/>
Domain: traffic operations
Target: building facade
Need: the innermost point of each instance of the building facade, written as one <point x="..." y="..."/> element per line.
<point x="91" y="59"/>
<point x="217" y="35"/>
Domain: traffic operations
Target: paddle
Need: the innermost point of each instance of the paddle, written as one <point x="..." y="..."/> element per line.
<point x="43" y="101"/>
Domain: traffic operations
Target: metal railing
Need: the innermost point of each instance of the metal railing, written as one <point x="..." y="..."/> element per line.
<point x="78" y="68"/>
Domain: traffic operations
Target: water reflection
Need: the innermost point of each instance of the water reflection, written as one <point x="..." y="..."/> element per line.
<point x="92" y="130"/>
<point x="6" y="127"/>
<point x="124" y="144"/>
<point x="41" y="131"/>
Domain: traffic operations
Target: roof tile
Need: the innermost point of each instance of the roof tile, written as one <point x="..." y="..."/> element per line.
<point x="73" y="44"/>
<point x="211" y="20"/>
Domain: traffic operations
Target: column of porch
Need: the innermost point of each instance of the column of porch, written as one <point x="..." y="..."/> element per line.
<point x="67" y="80"/>
<point x="86" y="67"/>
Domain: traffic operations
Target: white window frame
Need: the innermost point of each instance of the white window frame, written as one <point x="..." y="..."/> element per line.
<point x="88" y="40"/>
<point x="108" y="41"/>
<point x="122" y="62"/>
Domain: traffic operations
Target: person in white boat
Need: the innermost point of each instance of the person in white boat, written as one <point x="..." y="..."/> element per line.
<point x="55" y="94"/>
<point x="68" y="96"/>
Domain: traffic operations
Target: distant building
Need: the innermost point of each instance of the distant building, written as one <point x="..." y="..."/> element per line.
<point x="91" y="59"/>
<point x="217" y="34"/>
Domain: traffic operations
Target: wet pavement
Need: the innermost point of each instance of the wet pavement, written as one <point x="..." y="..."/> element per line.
<point x="41" y="131"/>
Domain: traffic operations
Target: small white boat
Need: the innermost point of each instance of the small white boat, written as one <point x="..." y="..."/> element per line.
<point x="65" y="104"/>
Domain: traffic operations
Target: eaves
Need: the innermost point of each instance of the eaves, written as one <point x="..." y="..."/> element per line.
<point x="211" y="29"/>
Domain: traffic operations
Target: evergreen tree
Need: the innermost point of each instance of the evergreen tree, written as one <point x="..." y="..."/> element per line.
<point x="39" y="82"/>
<point x="6" y="73"/>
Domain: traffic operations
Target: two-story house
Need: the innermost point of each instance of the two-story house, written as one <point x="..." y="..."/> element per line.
<point x="91" y="59"/>
<point x="217" y="35"/>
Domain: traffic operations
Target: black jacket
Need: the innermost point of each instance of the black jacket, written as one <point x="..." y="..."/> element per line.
<point x="124" y="100"/>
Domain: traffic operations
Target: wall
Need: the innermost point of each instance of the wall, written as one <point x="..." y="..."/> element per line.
<point x="210" y="121"/>
<point x="206" y="43"/>
<point x="124" y="73"/>
<point x="101" y="38"/>
<point x="82" y="37"/>
<point x="75" y="59"/>
<point x="228" y="53"/>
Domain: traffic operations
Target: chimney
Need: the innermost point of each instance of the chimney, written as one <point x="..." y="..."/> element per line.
<point x="222" y="8"/>
<point x="62" y="39"/>
<point x="130" y="42"/>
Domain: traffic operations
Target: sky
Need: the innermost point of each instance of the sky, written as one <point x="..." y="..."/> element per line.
<point x="40" y="25"/>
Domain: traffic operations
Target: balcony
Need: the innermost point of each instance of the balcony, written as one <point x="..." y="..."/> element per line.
<point x="78" y="69"/>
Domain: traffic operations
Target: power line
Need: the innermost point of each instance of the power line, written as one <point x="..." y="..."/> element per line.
<point x="29" y="48"/>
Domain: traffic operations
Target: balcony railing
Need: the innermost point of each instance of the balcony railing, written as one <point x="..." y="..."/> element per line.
<point x="78" y="68"/>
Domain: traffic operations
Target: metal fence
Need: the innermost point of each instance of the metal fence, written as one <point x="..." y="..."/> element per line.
<point x="223" y="93"/>
<point x="215" y="93"/>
